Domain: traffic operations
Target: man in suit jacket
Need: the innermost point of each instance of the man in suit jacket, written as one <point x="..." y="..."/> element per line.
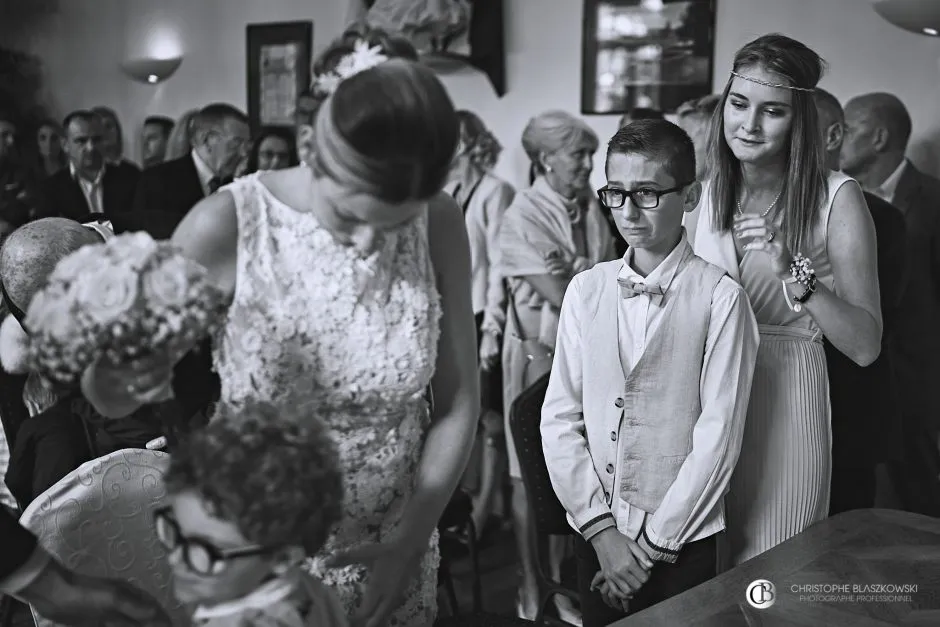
<point x="878" y="128"/>
<point x="167" y="192"/>
<point x="89" y="184"/>
<point x="29" y="573"/>
<point x="112" y="145"/>
<point x="864" y="399"/>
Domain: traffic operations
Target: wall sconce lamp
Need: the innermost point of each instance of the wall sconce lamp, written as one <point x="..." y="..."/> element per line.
<point x="151" y="71"/>
<point x="917" y="16"/>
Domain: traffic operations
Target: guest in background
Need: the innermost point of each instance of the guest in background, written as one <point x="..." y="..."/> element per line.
<point x="18" y="190"/>
<point x="865" y="401"/>
<point x="168" y="191"/>
<point x="154" y="138"/>
<point x="112" y="139"/>
<point x="274" y="149"/>
<point x="180" y="142"/>
<point x="695" y="118"/>
<point x="640" y="113"/>
<point x="550" y="232"/>
<point x="89" y="184"/>
<point x="32" y="575"/>
<point x="800" y="239"/>
<point x="877" y="131"/>
<point x="52" y="157"/>
<point x="484" y="199"/>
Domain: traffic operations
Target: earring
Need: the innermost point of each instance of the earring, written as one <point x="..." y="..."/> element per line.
<point x="548" y="168"/>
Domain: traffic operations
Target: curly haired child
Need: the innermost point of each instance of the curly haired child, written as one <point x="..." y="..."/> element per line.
<point x="250" y="496"/>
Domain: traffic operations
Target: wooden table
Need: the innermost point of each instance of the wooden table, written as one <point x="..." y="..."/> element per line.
<point x="873" y="546"/>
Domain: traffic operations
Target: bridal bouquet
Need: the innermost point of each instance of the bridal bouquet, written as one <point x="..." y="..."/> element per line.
<point x="120" y="300"/>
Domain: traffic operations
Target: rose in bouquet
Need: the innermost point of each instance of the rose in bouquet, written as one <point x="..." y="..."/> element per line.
<point x="128" y="298"/>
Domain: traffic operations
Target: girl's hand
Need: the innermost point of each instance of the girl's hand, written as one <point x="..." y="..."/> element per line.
<point x="759" y="233"/>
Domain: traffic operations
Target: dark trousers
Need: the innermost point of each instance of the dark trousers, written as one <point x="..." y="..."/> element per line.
<point x="852" y="487"/>
<point x="916" y="476"/>
<point x="696" y="564"/>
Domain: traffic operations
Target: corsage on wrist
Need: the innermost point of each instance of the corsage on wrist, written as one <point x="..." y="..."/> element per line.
<point x="801" y="272"/>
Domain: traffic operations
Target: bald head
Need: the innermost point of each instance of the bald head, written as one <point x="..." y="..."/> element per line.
<point x="31" y="252"/>
<point x="877" y="129"/>
<point x="886" y="111"/>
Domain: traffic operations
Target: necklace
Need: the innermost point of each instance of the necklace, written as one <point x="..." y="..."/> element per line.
<point x="766" y="211"/>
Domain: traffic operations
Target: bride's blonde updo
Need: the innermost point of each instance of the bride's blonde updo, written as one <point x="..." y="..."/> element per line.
<point x="390" y="130"/>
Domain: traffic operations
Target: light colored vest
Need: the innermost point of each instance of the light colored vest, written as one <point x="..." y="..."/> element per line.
<point x="660" y="401"/>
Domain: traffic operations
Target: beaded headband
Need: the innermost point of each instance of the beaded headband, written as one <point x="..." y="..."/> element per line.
<point x="363" y="57"/>
<point x="769" y="84"/>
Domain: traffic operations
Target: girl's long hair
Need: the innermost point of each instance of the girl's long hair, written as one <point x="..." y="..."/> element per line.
<point x="806" y="175"/>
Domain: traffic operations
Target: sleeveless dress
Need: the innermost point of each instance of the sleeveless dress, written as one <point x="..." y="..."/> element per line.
<point x="781" y="483"/>
<point x="356" y="338"/>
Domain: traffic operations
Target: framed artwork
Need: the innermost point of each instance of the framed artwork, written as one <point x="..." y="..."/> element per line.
<point x="646" y="53"/>
<point x="279" y="59"/>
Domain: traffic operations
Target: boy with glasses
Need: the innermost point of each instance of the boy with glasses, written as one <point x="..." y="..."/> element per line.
<point x="644" y="414"/>
<point x="250" y="497"/>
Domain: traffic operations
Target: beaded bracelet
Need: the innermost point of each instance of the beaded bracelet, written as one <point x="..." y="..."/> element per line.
<point x="801" y="271"/>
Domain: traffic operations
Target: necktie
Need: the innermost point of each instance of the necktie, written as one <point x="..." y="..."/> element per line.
<point x="214" y="184"/>
<point x="630" y="288"/>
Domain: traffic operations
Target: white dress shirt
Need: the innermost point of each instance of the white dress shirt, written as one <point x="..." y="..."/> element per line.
<point x="92" y="190"/>
<point x="888" y="189"/>
<point x="693" y="507"/>
<point x="204" y="172"/>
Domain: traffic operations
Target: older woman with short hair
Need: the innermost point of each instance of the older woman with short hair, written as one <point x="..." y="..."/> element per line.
<point x="551" y="231"/>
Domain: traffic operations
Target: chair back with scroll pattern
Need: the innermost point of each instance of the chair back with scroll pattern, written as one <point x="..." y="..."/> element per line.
<point x="525" y="420"/>
<point x="97" y="520"/>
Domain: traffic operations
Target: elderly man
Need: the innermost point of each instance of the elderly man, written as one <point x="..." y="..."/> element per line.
<point x="64" y="435"/>
<point x="877" y="130"/>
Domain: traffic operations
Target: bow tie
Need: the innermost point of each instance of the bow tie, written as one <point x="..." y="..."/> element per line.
<point x="630" y="288"/>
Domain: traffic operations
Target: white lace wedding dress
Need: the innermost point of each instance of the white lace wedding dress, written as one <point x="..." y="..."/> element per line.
<point x="359" y="336"/>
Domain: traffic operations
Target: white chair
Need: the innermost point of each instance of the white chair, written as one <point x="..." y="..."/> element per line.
<point x="97" y="520"/>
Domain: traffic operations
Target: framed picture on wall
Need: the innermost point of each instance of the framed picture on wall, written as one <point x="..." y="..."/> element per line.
<point x="278" y="71"/>
<point x="646" y="53"/>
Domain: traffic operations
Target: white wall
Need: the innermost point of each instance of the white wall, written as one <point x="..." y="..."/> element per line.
<point x="84" y="43"/>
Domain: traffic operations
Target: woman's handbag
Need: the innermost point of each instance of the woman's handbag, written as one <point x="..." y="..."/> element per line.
<point x="538" y="355"/>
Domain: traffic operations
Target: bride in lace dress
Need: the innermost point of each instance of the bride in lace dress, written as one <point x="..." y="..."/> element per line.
<point x="349" y="282"/>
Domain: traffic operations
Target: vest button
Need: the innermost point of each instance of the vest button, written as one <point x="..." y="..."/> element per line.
<point x="613" y="436"/>
<point x="610" y="469"/>
<point x="618" y="402"/>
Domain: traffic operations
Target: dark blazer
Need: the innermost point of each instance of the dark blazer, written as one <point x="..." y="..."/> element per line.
<point x="915" y="344"/>
<point x="63" y="197"/>
<point x="865" y="426"/>
<point x="165" y="194"/>
<point x="16" y="544"/>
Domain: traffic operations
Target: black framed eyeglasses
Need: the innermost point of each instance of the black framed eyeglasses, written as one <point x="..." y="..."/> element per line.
<point x="615" y="198"/>
<point x="200" y="557"/>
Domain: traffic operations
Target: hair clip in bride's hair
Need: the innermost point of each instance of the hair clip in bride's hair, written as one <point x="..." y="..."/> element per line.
<point x="363" y="57"/>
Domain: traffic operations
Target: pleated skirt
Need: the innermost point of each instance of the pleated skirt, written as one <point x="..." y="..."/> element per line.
<point x="781" y="483"/>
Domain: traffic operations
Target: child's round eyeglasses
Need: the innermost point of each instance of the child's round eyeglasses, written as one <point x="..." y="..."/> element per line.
<point x="615" y="198"/>
<point x="200" y="557"/>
